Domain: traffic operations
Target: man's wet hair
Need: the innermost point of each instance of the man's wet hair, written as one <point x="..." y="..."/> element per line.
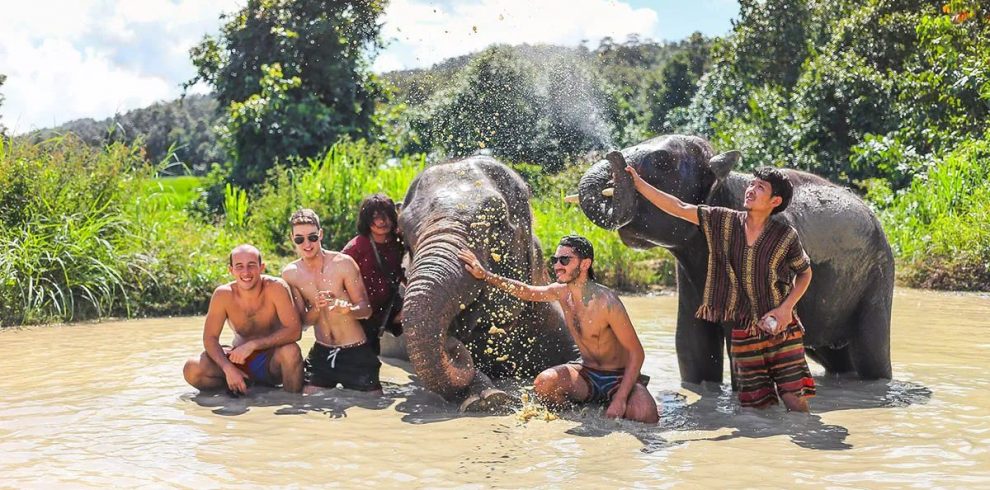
<point x="582" y="247"/>
<point x="780" y="185"/>
<point x="230" y="258"/>
<point x="373" y="205"/>
<point x="305" y="216"/>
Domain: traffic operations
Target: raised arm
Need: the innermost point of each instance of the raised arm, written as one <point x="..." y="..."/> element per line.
<point x="666" y="202"/>
<point x="518" y="289"/>
<point x="622" y="327"/>
<point x="308" y="314"/>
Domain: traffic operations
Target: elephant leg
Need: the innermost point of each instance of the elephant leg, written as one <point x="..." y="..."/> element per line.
<point x="835" y="360"/>
<point x="481" y="394"/>
<point x="699" y="348"/>
<point x="870" y="348"/>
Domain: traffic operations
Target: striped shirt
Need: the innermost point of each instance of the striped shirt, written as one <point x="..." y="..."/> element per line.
<point x="746" y="282"/>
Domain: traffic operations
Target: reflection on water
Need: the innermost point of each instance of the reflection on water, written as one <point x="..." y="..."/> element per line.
<point x="80" y="406"/>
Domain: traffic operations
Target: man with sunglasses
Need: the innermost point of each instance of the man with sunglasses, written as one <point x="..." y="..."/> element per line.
<point x="611" y="353"/>
<point x="329" y="293"/>
<point x="266" y="328"/>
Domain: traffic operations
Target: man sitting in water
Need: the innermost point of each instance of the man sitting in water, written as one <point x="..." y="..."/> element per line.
<point x="329" y="293"/>
<point x="266" y="328"/>
<point x="612" y="356"/>
<point x="757" y="272"/>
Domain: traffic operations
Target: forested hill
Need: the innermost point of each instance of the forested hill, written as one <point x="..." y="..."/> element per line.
<point x="633" y="68"/>
<point x="187" y="124"/>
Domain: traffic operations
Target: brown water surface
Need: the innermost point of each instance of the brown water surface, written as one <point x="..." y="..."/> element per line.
<point x="105" y="405"/>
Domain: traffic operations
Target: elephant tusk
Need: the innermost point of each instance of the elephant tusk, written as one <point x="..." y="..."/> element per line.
<point x="608" y="191"/>
<point x="572" y="199"/>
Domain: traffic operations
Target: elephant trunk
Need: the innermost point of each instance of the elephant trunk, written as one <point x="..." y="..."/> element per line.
<point x="607" y="195"/>
<point x="438" y="286"/>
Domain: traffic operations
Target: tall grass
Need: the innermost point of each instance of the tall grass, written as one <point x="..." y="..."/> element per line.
<point x="333" y="186"/>
<point x="939" y="226"/>
<point x="89" y="233"/>
<point x="60" y="226"/>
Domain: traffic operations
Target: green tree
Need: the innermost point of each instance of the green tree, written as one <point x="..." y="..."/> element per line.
<point x="3" y="78"/>
<point x="293" y="76"/>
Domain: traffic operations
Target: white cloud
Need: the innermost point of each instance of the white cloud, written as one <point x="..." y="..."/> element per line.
<point x="425" y="32"/>
<point x="67" y="59"/>
<point x="71" y="59"/>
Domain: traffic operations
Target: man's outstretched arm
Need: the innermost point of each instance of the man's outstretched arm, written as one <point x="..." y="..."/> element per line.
<point x="666" y="202"/>
<point x="518" y="289"/>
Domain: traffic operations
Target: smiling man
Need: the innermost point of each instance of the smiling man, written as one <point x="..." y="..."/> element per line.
<point x="757" y="272"/>
<point x="266" y="328"/>
<point x="329" y="293"/>
<point x="611" y="354"/>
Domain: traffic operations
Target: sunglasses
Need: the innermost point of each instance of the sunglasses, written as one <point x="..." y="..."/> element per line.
<point x="563" y="259"/>
<point x="299" y="239"/>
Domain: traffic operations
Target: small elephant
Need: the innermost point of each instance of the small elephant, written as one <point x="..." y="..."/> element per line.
<point x="461" y="334"/>
<point x="846" y="310"/>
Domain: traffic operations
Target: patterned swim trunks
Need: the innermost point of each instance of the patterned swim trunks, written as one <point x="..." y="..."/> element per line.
<point x="768" y="366"/>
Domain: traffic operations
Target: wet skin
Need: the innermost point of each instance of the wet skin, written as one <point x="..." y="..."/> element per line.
<point x="601" y="328"/>
<point x="260" y="311"/>
<point x="327" y="289"/>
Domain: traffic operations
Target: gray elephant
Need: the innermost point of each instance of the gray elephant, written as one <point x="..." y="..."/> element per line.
<point x="461" y="334"/>
<point x="846" y="310"/>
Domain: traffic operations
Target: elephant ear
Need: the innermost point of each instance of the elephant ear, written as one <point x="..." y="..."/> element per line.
<point x="723" y="163"/>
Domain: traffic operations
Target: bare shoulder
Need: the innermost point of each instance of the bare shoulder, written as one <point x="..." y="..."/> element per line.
<point x="610" y="299"/>
<point x="275" y="288"/>
<point x="345" y="262"/>
<point x="290" y="270"/>
<point x="224" y="291"/>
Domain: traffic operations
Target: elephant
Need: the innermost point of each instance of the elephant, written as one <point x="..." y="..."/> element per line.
<point x="460" y="334"/>
<point x="845" y="311"/>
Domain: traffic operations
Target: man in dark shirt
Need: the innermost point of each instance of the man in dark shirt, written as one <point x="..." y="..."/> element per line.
<point x="377" y="249"/>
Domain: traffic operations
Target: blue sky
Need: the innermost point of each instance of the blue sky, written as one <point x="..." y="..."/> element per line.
<point x="67" y="59"/>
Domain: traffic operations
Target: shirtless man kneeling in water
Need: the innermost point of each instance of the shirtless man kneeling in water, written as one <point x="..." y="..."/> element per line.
<point x="329" y="293"/>
<point x="266" y="328"/>
<point x="611" y="353"/>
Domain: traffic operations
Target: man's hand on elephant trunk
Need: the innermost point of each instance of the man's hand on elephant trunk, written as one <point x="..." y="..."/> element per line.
<point x="471" y="264"/>
<point x="635" y="176"/>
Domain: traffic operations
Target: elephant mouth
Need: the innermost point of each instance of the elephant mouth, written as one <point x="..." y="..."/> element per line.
<point x="606" y="193"/>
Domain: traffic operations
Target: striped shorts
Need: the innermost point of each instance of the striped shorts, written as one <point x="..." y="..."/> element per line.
<point x="766" y="366"/>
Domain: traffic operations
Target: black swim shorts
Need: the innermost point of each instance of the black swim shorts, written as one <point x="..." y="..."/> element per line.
<point x="354" y="367"/>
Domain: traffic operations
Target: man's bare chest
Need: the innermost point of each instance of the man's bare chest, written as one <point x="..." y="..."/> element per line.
<point x="249" y="318"/>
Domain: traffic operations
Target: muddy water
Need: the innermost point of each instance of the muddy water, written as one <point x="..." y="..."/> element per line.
<point x="105" y="405"/>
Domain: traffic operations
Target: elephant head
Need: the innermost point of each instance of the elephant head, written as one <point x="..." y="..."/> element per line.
<point x="683" y="166"/>
<point x="474" y="204"/>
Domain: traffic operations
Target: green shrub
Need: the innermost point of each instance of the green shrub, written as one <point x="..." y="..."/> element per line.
<point x="89" y="233"/>
<point x="938" y="225"/>
<point x="333" y="186"/>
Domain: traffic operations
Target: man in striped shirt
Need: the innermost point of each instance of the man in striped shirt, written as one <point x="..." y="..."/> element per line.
<point x="757" y="272"/>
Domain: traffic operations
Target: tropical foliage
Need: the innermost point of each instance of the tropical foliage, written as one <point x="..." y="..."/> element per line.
<point x="292" y="77"/>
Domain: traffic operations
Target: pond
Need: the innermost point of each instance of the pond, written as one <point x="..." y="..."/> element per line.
<point x="105" y="405"/>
